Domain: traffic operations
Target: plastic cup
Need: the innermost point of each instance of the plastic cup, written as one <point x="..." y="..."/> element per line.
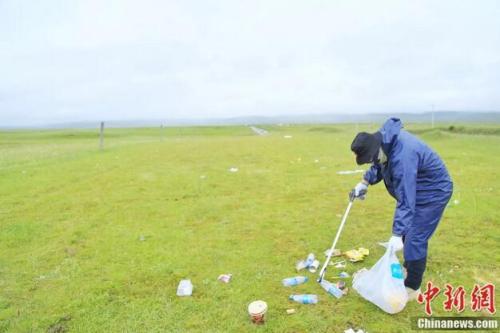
<point x="257" y="311"/>
<point x="314" y="266"/>
<point x="300" y="265"/>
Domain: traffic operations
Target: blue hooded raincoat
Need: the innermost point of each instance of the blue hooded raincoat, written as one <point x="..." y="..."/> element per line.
<point x="417" y="178"/>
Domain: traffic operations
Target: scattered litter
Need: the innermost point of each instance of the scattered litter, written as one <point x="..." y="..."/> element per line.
<point x="304" y="299"/>
<point x="336" y="253"/>
<point x="316" y="161"/>
<point x="456" y="202"/>
<point x="357" y="255"/>
<point x="290" y="311"/>
<point x="314" y="266"/>
<point x="185" y="288"/>
<point x="293" y="281"/>
<point x="225" y="278"/>
<point x="354" y="256"/>
<point x="309" y="260"/>
<point x="350" y="330"/>
<point x="310" y="263"/>
<point x="338" y="264"/>
<point x="287" y="136"/>
<point x="259" y="131"/>
<point x="349" y="172"/>
<point x="344" y="275"/>
<point x="364" y="251"/>
<point x="257" y="310"/>
<point x="203" y="177"/>
<point x="301" y="264"/>
<point x="341" y="285"/>
<point x="331" y="288"/>
<point x="233" y="169"/>
<point x="142" y="238"/>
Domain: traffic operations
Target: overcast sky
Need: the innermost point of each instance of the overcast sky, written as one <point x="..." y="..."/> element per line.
<point x="118" y="60"/>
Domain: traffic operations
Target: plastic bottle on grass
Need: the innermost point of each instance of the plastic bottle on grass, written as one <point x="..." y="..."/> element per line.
<point x="185" y="288"/>
<point x="304" y="299"/>
<point x="293" y="281"/>
<point x="309" y="260"/>
<point x="331" y="288"/>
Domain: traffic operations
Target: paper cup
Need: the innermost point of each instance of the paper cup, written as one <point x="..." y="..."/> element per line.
<point x="257" y="310"/>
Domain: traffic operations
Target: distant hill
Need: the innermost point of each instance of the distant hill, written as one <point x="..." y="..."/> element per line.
<point x="439" y="117"/>
<point x="443" y="117"/>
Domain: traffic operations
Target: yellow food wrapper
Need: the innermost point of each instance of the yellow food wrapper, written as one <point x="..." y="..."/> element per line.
<point x="364" y="251"/>
<point x="354" y="255"/>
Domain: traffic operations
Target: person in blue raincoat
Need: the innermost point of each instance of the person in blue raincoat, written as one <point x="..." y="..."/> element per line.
<point x="419" y="181"/>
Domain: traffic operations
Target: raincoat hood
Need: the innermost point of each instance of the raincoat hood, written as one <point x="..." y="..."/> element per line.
<point x="390" y="131"/>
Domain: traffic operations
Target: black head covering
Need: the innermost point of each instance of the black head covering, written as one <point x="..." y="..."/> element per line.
<point x="366" y="146"/>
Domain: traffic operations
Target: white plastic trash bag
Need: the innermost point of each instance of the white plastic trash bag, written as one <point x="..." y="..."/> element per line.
<point x="383" y="284"/>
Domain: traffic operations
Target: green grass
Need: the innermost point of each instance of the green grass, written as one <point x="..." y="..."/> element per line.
<point x="71" y="217"/>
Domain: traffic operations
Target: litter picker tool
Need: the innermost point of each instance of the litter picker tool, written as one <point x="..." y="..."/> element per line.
<point x="344" y="218"/>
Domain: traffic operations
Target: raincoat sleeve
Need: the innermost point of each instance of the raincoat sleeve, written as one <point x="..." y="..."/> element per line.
<point x="373" y="175"/>
<point x="404" y="173"/>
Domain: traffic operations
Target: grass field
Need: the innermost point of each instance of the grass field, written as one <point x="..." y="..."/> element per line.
<point x="97" y="241"/>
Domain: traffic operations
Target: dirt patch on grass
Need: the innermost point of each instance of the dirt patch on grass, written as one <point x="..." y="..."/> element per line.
<point x="60" y="326"/>
<point x="324" y="129"/>
<point x="70" y="251"/>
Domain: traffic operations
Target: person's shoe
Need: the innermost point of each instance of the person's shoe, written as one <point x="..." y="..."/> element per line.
<point x="412" y="294"/>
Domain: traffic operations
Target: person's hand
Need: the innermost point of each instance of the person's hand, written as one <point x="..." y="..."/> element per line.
<point x="395" y="243"/>
<point x="359" y="191"/>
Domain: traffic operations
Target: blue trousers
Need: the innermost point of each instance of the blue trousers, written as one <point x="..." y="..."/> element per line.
<point x="427" y="218"/>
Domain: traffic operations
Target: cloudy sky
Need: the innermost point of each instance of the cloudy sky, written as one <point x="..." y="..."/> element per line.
<point x="118" y="60"/>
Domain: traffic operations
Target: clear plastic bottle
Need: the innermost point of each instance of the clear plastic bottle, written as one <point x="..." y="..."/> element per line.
<point x="293" y="281"/>
<point x="304" y="299"/>
<point x="185" y="288"/>
<point x="331" y="288"/>
<point x="309" y="260"/>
